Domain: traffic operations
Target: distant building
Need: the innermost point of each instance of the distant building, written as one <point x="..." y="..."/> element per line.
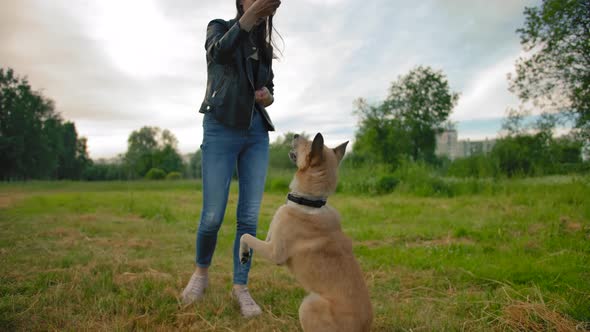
<point x="448" y="144"/>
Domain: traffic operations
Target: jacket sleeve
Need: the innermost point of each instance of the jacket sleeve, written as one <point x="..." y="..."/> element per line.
<point x="221" y="43"/>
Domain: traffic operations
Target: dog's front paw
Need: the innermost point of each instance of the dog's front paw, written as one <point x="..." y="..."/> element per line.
<point x="245" y="256"/>
<point x="245" y="252"/>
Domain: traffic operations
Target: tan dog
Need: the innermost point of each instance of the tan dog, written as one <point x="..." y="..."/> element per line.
<point x="309" y="240"/>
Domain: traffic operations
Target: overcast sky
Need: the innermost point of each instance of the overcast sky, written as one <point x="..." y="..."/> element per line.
<point x="113" y="66"/>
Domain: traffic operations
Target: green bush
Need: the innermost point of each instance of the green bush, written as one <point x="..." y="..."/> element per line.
<point x="278" y="184"/>
<point x="174" y="176"/>
<point x="440" y="187"/>
<point x="386" y="184"/>
<point x="155" y="174"/>
<point x="415" y="178"/>
<point x="478" y="166"/>
<point x="364" y="178"/>
<point x="378" y="179"/>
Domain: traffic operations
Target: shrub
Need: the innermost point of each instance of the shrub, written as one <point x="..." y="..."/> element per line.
<point x="365" y="179"/>
<point x="386" y="184"/>
<point x="155" y="174"/>
<point x="278" y="184"/>
<point x="478" y="166"/>
<point x="174" y="176"/>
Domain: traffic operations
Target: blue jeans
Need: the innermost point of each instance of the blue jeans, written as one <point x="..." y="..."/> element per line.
<point x="223" y="148"/>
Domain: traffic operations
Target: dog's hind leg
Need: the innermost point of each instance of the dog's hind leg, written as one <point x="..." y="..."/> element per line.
<point x="316" y="315"/>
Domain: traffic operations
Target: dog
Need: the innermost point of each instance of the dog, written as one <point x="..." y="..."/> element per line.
<point x="306" y="235"/>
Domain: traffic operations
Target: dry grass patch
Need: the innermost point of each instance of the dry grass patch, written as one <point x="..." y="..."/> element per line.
<point x="440" y="242"/>
<point x="375" y="243"/>
<point x="65" y="237"/>
<point x="535" y="228"/>
<point x="8" y="200"/>
<point x="62" y="232"/>
<point x="130" y="277"/>
<point x="536" y="317"/>
<point x="446" y="241"/>
<point x="570" y="225"/>
<point x="121" y="242"/>
<point x="93" y="217"/>
<point x="526" y="310"/>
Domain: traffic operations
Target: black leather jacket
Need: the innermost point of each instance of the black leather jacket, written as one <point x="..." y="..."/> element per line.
<point x="230" y="81"/>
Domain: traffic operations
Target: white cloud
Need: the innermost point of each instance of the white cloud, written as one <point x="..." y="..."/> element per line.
<point x="486" y="94"/>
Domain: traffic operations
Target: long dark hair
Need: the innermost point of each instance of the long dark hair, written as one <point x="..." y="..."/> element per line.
<point x="262" y="35"/>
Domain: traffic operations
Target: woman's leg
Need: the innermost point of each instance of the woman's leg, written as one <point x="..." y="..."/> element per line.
<point x="217" y="172"/>
<point x="219" y="155"/>
<point x="252" y="168"/>
<point x="220" y="150"/>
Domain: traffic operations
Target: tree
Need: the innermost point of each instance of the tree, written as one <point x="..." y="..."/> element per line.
<point x="150" y="147"/>
<point x="168" y="159"/>
<point x="555" y="73"/>
<point x="194" y="169"/>
<point x="141" y="145"/>
<point x="34" y="141"/>
<point x="22" y="115"/>
<point x="52" y="134"/>
<point x="407" y="122"/>
<point x="73" y="158"/>
<point x="513" y="123"/>
<point x="380" y="137"/>
<point x="168" y="139"/>
<point x="103" y="170"/>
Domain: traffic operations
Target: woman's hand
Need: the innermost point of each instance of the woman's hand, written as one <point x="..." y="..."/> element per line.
<point x="263" y="8"/>
<point x="258" y="10"/>
<point x="263" y="97"/>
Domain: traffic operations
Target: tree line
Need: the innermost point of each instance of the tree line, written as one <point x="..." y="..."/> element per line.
<point x="152" y="153"/>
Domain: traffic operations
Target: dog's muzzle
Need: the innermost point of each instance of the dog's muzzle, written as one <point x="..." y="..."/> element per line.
<point x="293" y="156"/>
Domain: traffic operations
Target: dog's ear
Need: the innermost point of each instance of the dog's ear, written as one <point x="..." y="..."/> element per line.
<point x="340" y="150"/>
<point x="317" y="150"/>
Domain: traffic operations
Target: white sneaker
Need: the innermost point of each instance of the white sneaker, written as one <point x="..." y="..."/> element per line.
<point x="195" y="289"/>
<point x="248" y="307"/>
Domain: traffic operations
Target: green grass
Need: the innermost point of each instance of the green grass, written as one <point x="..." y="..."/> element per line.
<point x="508" y="255"/>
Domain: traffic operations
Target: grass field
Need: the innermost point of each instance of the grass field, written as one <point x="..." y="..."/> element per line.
<point x="115" y="256"/>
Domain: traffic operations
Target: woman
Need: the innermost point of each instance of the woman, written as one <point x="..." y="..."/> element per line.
<point x="236" y="125"/>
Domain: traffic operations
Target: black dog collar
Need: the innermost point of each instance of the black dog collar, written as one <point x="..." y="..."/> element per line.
<point x="307" y="202"/>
